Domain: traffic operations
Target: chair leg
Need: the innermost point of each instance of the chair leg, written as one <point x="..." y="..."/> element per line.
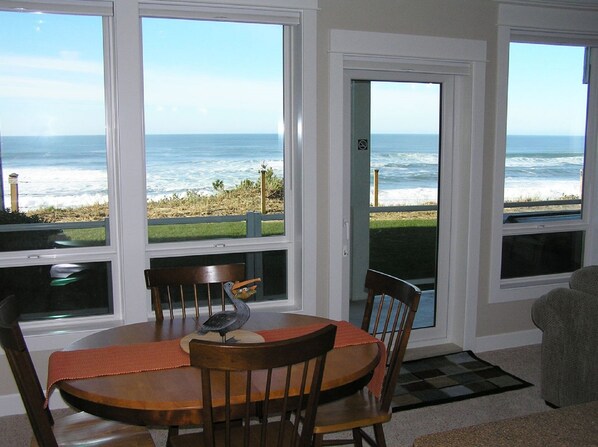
<point x="172" y="431"/>
<point x="379" y="432"/>
<point x="357" y="438"/>
<point x="319" y="441"/>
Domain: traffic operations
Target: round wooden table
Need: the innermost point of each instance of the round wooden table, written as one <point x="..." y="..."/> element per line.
<point x="173" y="397"/>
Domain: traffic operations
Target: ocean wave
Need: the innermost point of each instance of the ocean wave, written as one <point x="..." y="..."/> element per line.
<point x="517" y="190"/>
<point x="540" y="163"/>
<point x="65" y="187"/>
<point x="71" y="171"/>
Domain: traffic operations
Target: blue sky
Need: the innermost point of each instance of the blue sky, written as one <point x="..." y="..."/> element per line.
<point x="546" y="90"/>
<point x="221" y="77"/>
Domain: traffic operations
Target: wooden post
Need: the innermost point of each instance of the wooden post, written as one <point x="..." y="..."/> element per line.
<point x="13" y="181"/>
<point x="376" y="172"/>
<point x="263" y="174"/>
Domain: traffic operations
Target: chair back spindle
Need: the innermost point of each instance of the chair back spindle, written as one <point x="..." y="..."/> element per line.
<point x="389" y="313"/>
<point x="176" y="286"/>
<point x="259" y="394"/>
<point x="393" y="303"/>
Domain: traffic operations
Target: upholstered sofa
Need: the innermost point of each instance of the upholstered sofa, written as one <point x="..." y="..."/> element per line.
<point x="568" y="318"/>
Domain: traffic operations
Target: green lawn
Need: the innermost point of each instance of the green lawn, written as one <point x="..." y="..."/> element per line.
<point x="405" y="248"/>
<point x="180" y="232"/>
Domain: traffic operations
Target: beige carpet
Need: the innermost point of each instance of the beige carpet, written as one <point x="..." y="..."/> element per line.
<point x="405" y="426"/>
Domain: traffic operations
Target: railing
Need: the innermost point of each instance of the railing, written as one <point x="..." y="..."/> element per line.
<point x="54" y="226"/>
<point x="253" y="222"/>
<point x="402" y="208"/>
<point x="252" y="219"/>
<point x="538" y="203"/>
<point x="542" y="203"/>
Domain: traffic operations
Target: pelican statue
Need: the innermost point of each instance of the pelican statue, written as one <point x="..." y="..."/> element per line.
<point x="230" y="320"/>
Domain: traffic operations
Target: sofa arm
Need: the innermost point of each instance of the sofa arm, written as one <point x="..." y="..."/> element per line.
<point x="585" y="280"/>
<point x="547" y="310"/>
<point x="569" y="346"/>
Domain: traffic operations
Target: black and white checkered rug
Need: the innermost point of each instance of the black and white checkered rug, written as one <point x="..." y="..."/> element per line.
<point x="448" y="378"/>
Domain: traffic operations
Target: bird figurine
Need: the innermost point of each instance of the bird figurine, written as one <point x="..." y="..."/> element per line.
<point x="230" y="320"/>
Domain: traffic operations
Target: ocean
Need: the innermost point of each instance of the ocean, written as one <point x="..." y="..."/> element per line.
<point x="71" y="170"/>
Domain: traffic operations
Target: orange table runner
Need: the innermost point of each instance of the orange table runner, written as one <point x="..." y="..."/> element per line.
<point x="154" y="356"/>
<point x="347" y="334"/>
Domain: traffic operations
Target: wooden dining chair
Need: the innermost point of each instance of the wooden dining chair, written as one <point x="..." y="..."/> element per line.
<point x="389" y="313"/>
<point x="252" y="393"/>
<point x="173" y="286"/>
<point x="79" y="429"/>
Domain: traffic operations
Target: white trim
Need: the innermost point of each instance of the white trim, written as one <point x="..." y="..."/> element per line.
<point x="339" y="230"/>
<point x="220" y="13"/>
<point x="12" y="404"/>
<point x="306" y="133"/>
<point x="507" y="340"/>
<point x="80" y="7"/>
<point x="41" y="339"/>
<point x="474" y="206"/>
<point x="524" y="291"/>
<point x="419" y="48"/>
<point x="591" y="175"/>
<point x="568" y="4"/>
<point x="349" y="49"/>
<point x="563" y="20"/>
<point x="254" y="4"/>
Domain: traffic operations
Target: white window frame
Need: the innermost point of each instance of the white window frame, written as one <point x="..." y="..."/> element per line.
<point x="108" y="253"/>
<point x="297" y="160"/>
<point x="517" y="23"/>
<point x="466" y="60"/>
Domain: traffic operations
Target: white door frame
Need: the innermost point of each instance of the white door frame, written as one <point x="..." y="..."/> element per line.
<point x="465" y="59"/>
<point x="446" y="104"/>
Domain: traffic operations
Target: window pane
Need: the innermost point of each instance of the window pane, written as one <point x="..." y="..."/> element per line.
<point x="59" y="290"/>
<point x="541" y="254"/>
<point x="214" y="129"/>
<point x="52" y="132"/>
<point x="270" y="266"/>
<point x="546" y="119"/>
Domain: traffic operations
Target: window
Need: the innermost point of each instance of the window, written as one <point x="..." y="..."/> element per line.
<point x="214" y="123"/>
<point x="220" y="146"/>
<point x="546" y="123"/>
<point x="545" y="151"/>
<point x="54" y="163"/>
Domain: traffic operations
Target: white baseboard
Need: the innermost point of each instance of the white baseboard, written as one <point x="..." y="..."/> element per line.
<point x="508" y="340"/>
<point x="12" y="404"/>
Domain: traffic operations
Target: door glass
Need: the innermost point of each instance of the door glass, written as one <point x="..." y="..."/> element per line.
<point x="402" y="188"/>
